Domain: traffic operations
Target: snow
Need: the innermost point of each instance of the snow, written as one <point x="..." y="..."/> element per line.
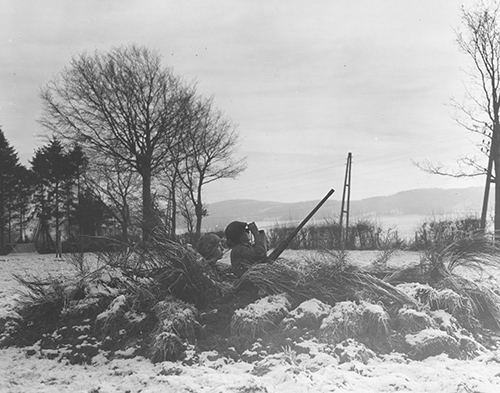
<point x="118" y="304"/>
<point x="412" y="289"/>
<point x="343" y="314"/>
<point x="308" y="314"/>
<point x="360" y="258"/>
<point x="315" y="370"/>
<point x="267" y="305"/>
<point x="273" y="374"/>
<point x="444" y="319"/>
<point x="127" y="353"/>
<point x="313" y="307"/>
<point x="341" y="310"/>
<point x="425" y="335"/>
<point x="373" y="308"/>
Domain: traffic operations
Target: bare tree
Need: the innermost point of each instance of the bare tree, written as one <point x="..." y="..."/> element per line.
<point x="479" y="39"/>
<point x="171" y="186"/>
<point x="122" y="104"/>
<point x="117" y="187"/>
<point x="186" y="209"/>
<point x="210" y="146"/>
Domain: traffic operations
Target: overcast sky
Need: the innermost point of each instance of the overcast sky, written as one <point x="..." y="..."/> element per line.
<point x="304" y="82"/>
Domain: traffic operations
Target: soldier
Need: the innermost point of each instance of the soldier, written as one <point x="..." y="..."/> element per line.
<point x="243" y="253"/>
<point x="210" y="247"/>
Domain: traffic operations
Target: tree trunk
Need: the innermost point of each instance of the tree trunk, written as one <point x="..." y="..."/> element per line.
<point x="10" y="224"/>
<point x="125" y="232"/>
<point x="496" y="159"/>
<point x="78" y="218"/>
<point x="2" y="213"/>
<point x="58" y="234"/>
<point x="21" y="223"/>
<point x="198" y="209"/>
<point x="497" y="196"/>
<point x="68" y="211"/>
<point x="147" y="206"/>
<point x="173" y="222"/>
<point x="125" y="220"/>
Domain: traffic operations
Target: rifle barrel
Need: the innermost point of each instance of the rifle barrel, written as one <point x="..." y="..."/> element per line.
<point x="284" y="244"/>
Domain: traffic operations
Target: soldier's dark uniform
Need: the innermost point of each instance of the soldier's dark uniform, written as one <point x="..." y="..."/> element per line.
<point x="244" y="254"/>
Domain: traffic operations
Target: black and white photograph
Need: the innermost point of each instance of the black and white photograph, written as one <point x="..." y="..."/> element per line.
<point x="235" y="196"/>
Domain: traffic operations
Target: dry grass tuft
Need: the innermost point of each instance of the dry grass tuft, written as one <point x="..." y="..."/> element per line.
<point x="431" y="342"/>
<point x="260" y="317"/>
<point x="344" y="321"/>
<point x="39" y="307"/>
<point x="459" y="305"/>
<point x="476" y="252"/>
<point x="413" y="321"/>
<point x="166" y="346"/>
<point x="376" y="320"/>
<point x="273" y="279"/>
<point x="466" y="300"/>
<point x="177" y="317"/>
<point x="477" y="302"/>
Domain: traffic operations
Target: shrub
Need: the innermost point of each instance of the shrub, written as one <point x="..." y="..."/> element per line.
<point x="439" y="233"/>
<point x="363" y="235"/>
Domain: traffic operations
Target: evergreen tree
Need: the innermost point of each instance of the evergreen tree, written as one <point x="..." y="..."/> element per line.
<point x="9" y="163"/>
<point x="57" y="173"/>
<point x="91" y="213"/>
<point x="75" y="169"/>
<point x="40" y="169"/>
<point x="23" y="190"/>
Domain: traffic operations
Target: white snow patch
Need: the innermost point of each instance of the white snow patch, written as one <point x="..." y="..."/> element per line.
<point x="373" y="308"/>
<point x="116" y="305"/>
<point x="268" y="304"/>
<point x="444" y="319"/>
<point x="314" y="307"/>
<point x="412" y="289"/>
<point x="424" y="335"/>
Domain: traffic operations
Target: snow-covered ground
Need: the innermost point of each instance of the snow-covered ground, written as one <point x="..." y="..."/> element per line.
<point x="290" y="372"/>
<point x="276" y="373"/>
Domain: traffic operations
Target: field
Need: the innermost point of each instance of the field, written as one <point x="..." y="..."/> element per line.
<point x="314" y="370"/>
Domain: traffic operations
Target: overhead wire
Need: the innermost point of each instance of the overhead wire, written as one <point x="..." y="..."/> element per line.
<point x="365" y="166"/>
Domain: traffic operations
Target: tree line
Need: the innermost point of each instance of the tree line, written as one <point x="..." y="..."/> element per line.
<point x="132" y="146"/>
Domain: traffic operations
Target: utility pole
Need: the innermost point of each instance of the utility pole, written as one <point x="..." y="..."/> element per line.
<point x="346" y="201"/>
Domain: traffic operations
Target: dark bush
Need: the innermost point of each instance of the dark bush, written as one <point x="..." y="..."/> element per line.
<point x="439" y="233"/>
<point x="362" y="235"/>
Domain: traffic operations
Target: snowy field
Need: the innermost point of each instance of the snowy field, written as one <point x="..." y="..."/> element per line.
<point x="290" y="372"/>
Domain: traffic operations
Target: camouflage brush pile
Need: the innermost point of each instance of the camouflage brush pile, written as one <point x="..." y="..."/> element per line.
<point x="325" y="279"/>
<point x="139" y="298"/>
<point x="442" y="267"/>
<point x="169" y="268"/>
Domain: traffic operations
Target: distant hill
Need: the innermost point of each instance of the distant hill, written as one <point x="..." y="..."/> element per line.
<point x="418" y="203"/>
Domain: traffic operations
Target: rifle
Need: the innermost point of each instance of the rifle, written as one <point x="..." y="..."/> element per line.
<point x="284" y="244"/>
